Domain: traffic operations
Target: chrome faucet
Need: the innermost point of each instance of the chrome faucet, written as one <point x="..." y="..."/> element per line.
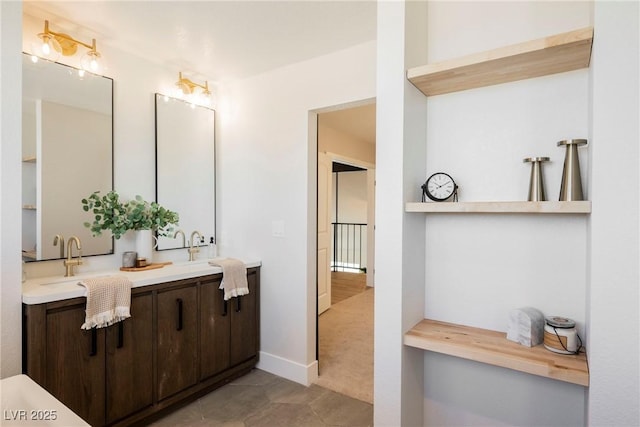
<point x="70" y="262"/>
<point x="58" y="239"/>
<point x="194" y="249"/>
<point x="175" y="236"/>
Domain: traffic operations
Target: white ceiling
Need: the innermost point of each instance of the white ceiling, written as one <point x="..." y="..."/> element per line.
<point x="357" y="122"/>
<point x="215" y="40"/>
<point x="223" y="40"/>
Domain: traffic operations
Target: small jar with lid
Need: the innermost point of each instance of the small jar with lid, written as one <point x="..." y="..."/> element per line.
<point x="561" y="336"/>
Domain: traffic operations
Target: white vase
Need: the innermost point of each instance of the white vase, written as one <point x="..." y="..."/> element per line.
<point x="144" y="245"/>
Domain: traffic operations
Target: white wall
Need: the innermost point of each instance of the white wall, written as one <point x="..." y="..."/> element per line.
<point x="614" y="298"/>
<point x="334" y="141"/>
<point x="400" y="166"/>
<point x="267" y="175"/>
<point x="10" y="191"/>
<point x="29" y="178"/>
<point x="351" y="190"/>
<point x="479" y="267"/>
<point x="347" y="148"/>
<point x="63" y="133"/>
<point x="266" y="172"/>
<point x="589" y="266"/>
<point x="136" y="80"/>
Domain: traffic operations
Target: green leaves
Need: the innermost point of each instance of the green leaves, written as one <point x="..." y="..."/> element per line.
<point x="119" y="217"/>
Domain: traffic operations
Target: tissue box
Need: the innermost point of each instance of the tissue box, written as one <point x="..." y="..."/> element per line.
<point x="526" y="326"/>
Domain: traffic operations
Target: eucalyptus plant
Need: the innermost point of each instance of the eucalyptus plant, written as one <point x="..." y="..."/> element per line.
<point x="110" y="213"/>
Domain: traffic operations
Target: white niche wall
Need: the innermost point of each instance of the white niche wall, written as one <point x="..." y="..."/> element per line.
<point x="478" y="267"/>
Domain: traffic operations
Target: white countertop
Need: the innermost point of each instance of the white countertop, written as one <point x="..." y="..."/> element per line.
<point x="56" y="288"/>
<point x="25" y="403"/>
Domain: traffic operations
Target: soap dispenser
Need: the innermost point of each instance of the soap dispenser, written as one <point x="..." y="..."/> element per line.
<point x="212" y="248"/>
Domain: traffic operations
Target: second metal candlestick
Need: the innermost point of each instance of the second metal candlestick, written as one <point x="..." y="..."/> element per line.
<point x="536" y="183"/>
<point x="571" y="188"/>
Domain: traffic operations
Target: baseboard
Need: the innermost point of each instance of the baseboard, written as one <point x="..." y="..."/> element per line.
<point x="302" y="374"/>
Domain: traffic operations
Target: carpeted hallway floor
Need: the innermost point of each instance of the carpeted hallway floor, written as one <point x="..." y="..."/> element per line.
<point x="346" y="347"/>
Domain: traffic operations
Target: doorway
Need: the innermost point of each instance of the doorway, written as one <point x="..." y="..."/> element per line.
<point x="345" y="262"/>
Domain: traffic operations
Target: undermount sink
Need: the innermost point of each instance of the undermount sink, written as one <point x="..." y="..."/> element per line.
<point x="51" y="280"/>
<point x="191" y="263"/>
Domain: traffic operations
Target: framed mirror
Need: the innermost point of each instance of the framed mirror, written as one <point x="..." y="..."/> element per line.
<point x="67" y="152"/>
<point x="185" y="168"/>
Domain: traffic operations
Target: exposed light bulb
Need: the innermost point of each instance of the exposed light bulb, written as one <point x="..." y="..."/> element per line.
<point x="90" y="61"/>
<point x="166" y="98"/>
<point x="38" y="50"/>
<point x="81" y="72"/>
<point x="34" y="58"/>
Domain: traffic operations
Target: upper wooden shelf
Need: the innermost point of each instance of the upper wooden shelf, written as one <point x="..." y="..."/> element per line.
<point x="493" y="348"/>
<point x="31" y="159"/>
<point x="576" y="207"/>
<point x="549" y="55"/>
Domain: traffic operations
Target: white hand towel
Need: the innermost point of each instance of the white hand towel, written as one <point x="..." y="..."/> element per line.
<point x="108" y="301"/>
<point x="234" y="277"/>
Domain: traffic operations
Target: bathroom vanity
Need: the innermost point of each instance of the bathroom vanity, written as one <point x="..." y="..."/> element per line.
<point x="181" y="341"/>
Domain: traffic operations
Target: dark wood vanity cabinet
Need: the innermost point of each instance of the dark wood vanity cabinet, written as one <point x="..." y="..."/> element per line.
<point x="181" y="340"/>
<point x="101" y="374"/>
<point x="229" y="329"/>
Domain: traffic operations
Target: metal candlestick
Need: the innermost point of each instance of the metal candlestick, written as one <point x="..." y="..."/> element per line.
<point x="536" y="184"/>
<point x="571" y="187"/>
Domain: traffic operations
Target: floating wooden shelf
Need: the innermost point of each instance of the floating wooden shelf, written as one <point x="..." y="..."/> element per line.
<point x="577" y="207"/>
<point x="493" y="348"/>
<point x="29" y="207"/>
<point x="549" y="55"/>
<point x="29" y="159"/>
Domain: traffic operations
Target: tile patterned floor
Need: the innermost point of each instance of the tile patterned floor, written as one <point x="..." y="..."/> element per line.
<point x="261" y="399"/>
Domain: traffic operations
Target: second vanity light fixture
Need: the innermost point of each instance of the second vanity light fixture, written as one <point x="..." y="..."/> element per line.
<point x="53" y="42"/>
<point x="187" y="88"/>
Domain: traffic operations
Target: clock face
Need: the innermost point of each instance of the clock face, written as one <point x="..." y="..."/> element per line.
<point x="440" y="186"/>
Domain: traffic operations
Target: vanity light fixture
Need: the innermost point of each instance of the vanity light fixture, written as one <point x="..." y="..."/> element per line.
<point x="60" y="43"/>
<point x="187" y="87"/>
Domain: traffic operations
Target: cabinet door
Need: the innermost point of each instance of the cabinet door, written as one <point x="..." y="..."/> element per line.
<point x="214" y="328"/>
<point x="75" y="363"/>
<point x="177" y="339"/>
<point x="129" y="348"/>
<point x="244" y="323"/>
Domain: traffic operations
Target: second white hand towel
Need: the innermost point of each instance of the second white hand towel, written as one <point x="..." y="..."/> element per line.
<point x="234" y="277"/>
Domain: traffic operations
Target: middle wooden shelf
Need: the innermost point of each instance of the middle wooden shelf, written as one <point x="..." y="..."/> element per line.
<point x="573" y="207"/>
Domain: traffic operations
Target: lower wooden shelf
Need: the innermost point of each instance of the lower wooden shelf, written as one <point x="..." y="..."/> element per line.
<point x="493" y="348"/>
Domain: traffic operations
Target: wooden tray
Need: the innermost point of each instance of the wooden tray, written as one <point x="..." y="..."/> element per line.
<point x="146" y="267"/>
